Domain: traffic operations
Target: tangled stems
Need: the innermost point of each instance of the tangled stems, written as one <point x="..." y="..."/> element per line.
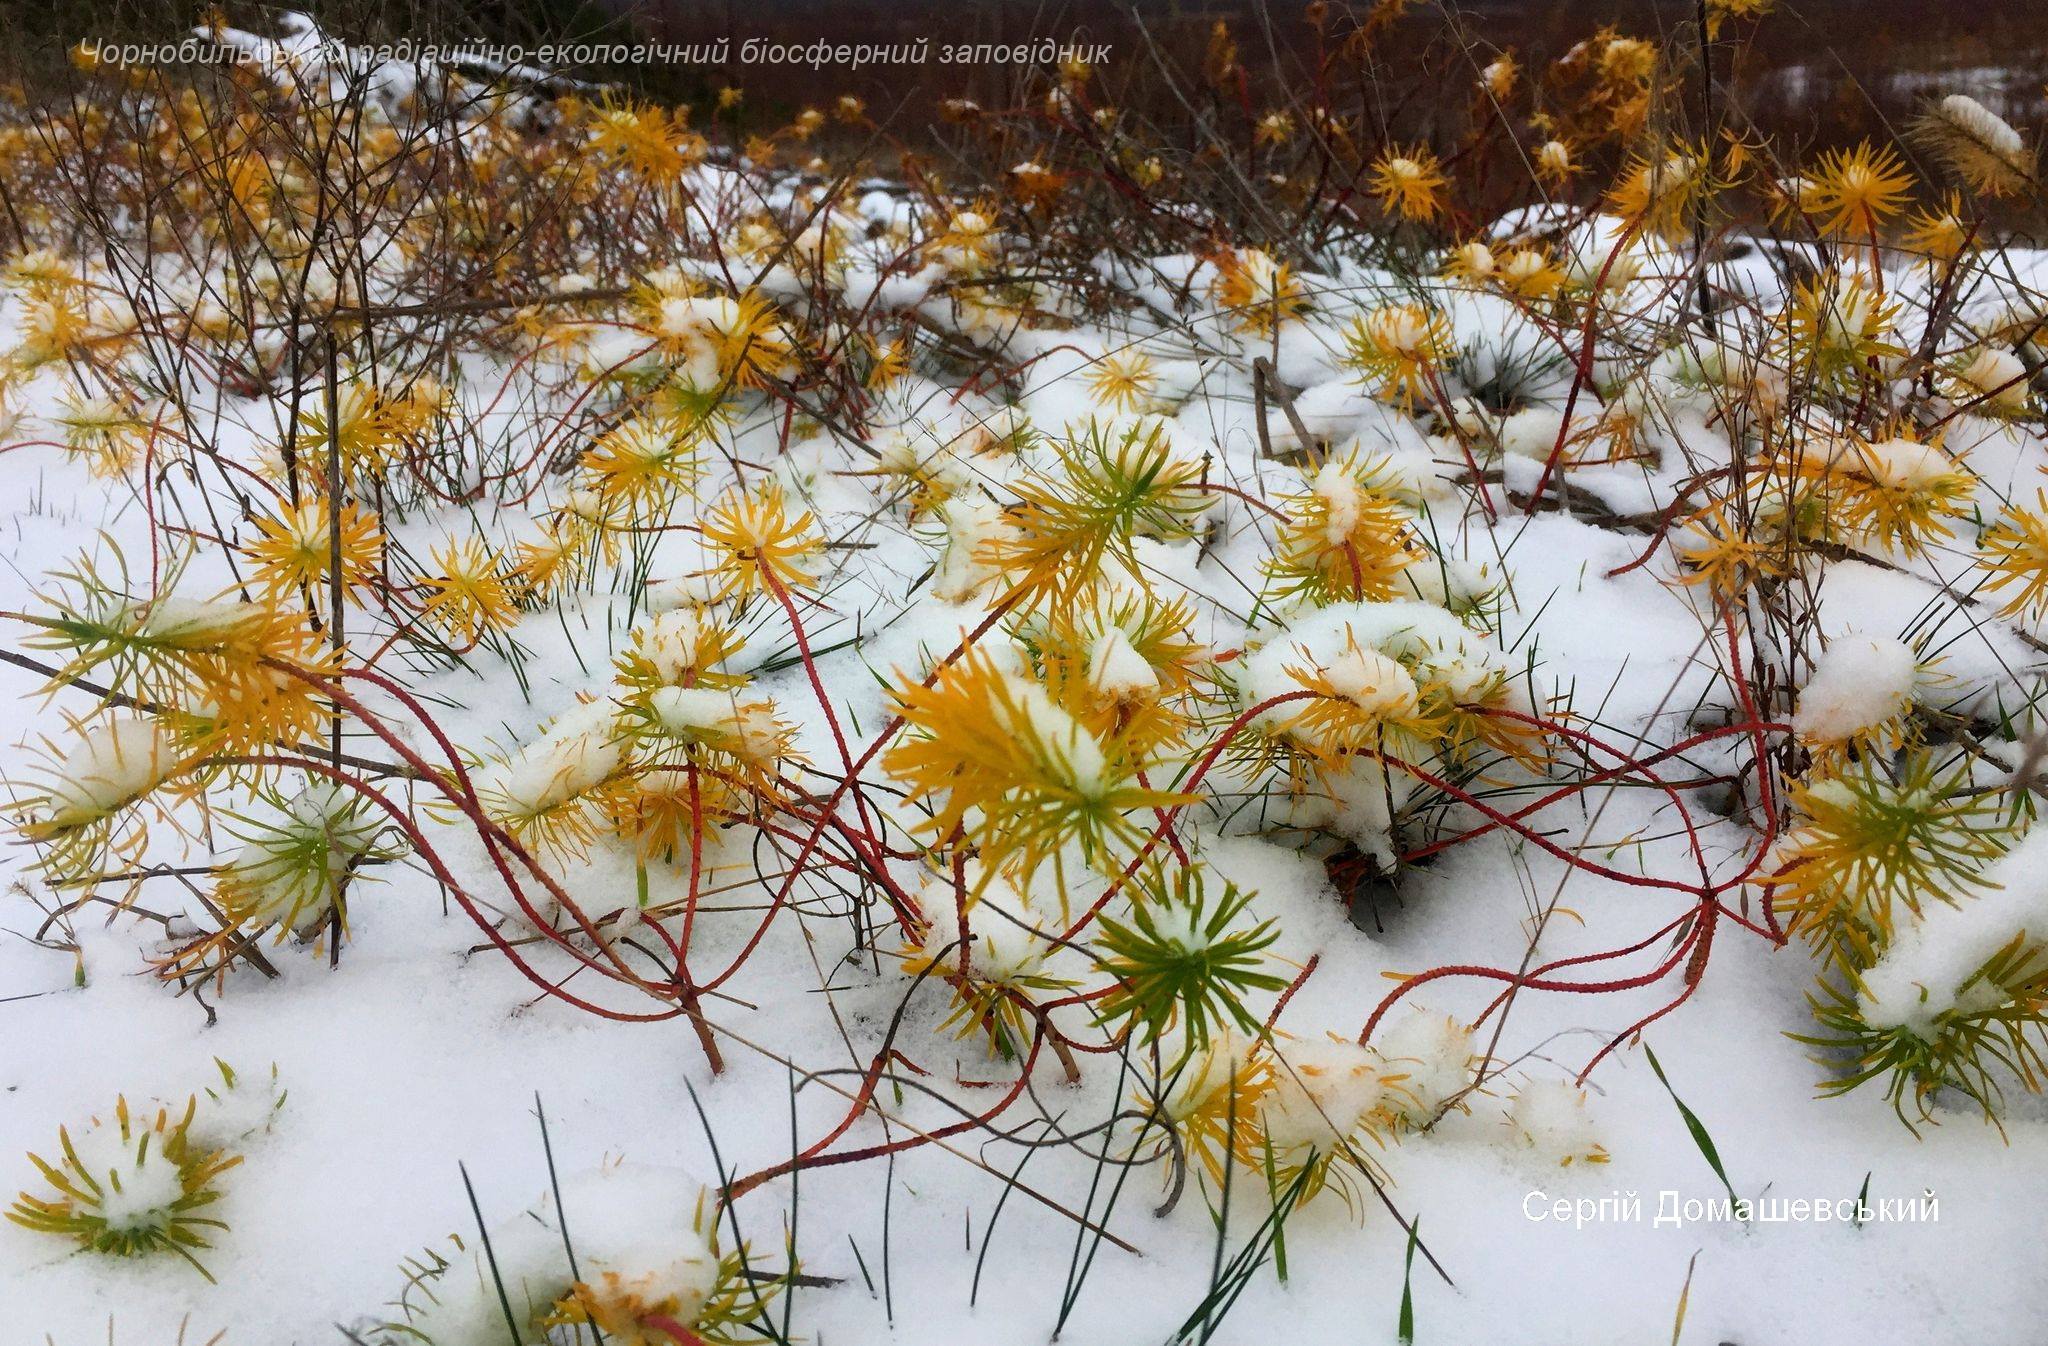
<point x="1699" y="922"/>
<point x="1692" y="950"/>
<point x="867" y="855"/>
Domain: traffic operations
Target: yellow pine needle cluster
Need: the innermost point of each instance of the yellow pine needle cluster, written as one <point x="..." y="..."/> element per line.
<point x="642" y="466"/>
<point x="1662" y="192"/>
<point x="109" y="438"/>
<point x="1716" y="551"/>
<point x="1398" y="350"/>
<point x="703" y="757"/>
<point x="652" y="142"/>
<point x="369" y="426"/>
<point x="1012" y="770"/>
<point x="758" y="546"/>
<point x="1868" y="851"/>
<point x="297" y="860"/>
<point x="82" y="815"/>
<point x="293" y="550"/>
<point x="1853" y="192"/>
<point x="1409" y="182"/>
<point x="1896" y="494"/>
<point x="1295" y="1115"/>
<point x="1346" y="538"/>
<point x="1939" y="235"/>
<point x="1125" y="381"/>
<point x="1114" y="483"/>
<point x="217" y="673"/>
<point x="557" y="555"/>
<point x="968" y="239"/>
<point x="994" y="964"/>
<point x="1556" y="162"/>
<point x="1124" y="661"/>
<point x="1841" y="325"/>
<point x="1256" y="292"/>
<point x="2014" y="555"/>
<point x="752" y="347"/>
<point x="1530" y="273"/>
<point x="467" y="592"/>
<point x="675" y="745"/>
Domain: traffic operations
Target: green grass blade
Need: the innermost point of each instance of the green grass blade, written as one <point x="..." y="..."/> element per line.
<point x="1700" y="1137"/>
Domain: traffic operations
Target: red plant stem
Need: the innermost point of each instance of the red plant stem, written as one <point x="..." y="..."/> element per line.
<point x="404" y="822"/>
<point x="661" y="1322"/>
<point x="1695" y="969"/>
<point x="1583" y="373"/>
<point x="1515" y="979"/>
<point x="814" y="1156"/>
<point x="810" y="665"/>
<point x="1308" y="970"/>
<point x="495" y="838"/>
<point x="1697" y="945"/>
<point x="852" y="776"/>
<point x="1626" y="766"/>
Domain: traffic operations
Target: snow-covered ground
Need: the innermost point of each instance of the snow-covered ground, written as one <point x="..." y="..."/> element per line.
<point x="422" y="1054"/>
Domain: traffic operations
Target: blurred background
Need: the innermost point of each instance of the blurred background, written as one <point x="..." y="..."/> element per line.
<point x="1812" y="72"/>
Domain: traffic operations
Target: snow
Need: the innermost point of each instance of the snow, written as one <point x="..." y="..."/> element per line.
<point x="1996" y="377"/>
<point x="1004" y="938"/>
<point x="1858" y="684"/>
<point x="577" y="752"/>
<point x="422" y="1048"/>
<point x="137" y="1185"/>
<point x="112" y="764"/>
<point x="1427" y="1062"/>
<point x="1931" y="969"/>
<point x="1374" y="682"/>
<point x="1322" y="1091"/>
<point x="1994" y="131"/>
<point x="631" y="1227"/>
<point x="1117" y="670"/>
<point x="1551" y="1118"/>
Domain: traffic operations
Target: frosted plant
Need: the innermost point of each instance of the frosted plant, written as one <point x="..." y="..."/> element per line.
<point x="1186" y="958"/>
<point x="297" y="859"/>
<point x="1255" y="291"/>
<point x="1865" y="848"/>
<point x="1399" y="349"/>
<point x="1009" y="764"/>
<point x="554" y="789"/>
<point x="2013" y="552"/>
<point x="1209" y="1098"/>
<point x="1859" y="695"/>
<point x="1355" y="700"/>
<point x="1409" y="182"/>
<point x="1550" y="1119"/>
<point x="648" y="1270"/>
<point x="1428" y="1061"/>
<point x="129" y="1186"/>
<point x="1991" y="380"/>
<point x="1953" y="1001"/>
<point x="1117" y="481"/>
<point x="79" y="816"/>
<point x="1322" y="1104"/>
<point x="1981" y="147"/>
<point x="1843" y="325"/>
